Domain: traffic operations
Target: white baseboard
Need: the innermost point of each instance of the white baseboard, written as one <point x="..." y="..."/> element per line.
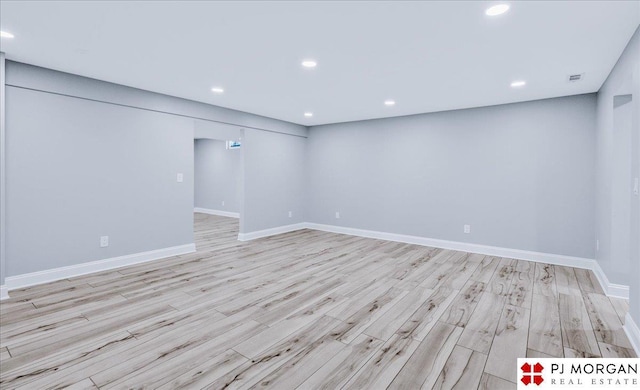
<point x="611" y="289"/>
<point x="4" y="292"/>
<point x="540" y="257"/>
<point x="615" y="290"/>
<point x="633" y="332"/>
<point x="216" y="212"/>
<point x="271" y="232"/>
<point x="30" y="279"/>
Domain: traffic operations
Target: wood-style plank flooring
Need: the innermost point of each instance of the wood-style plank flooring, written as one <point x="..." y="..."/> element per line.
<point x="306" y="310"/>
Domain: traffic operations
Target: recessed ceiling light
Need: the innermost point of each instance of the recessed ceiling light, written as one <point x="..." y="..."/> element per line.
<point x="519" y="83"/>
<point x="389" y="103"/>
<point x="309" y="63"/>
<point x="217" y="90"/>
<point x="308" y="114"/>
<point x="497" y="9"/>
<point x="5" y="34"/>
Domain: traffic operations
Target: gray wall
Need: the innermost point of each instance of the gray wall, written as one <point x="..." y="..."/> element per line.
<point x="30" y="76"/>
<point x="86" y="158"/>
<point x="522" y="175"/>
<point x="215" y="130"/>
<point x="78" y="170"/>
<point x="617" y="162"/>
<point x="274" y="180"/>
<point x="217" y="175"/>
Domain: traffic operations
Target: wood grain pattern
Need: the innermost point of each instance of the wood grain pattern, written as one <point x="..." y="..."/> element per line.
<point x="384" y="365"/>
<point x="463" y="370"/>
<point x="480" y="330"/>
<point x="490" y="382"/>
<point x="545" y="280"/>
<point x="423" y="319"/>
<point x="588" y="281"/>
<point x="4" y="354"/>
<point x="566" y="281"/>
<point x="500" y="282"/>
<point x="577" y="330"/>
<point x="621" y="306"/>
<point x="509" y="343"/>
<point x="486" y="269"/>
<point x="614" y="351"/>
<point x="521" y="289"/>
<point x="297" y="369"/>
<point x="343" y="365"/>
<point x="532" y="353"/>
<point x="544" y="330"/>
<point x="84" y="384"/>
<point x="465" y="303"/>
<point x="349" y="329"/>
<point x="205" y="373"/>
<point x="385" y="326"/>
<point x="574" y="354"/>
<point x="606" y="323"/>
<point x="307" y="310"/>
<point x="426" y="363"/>
<point x="145" y="367"/>
<point x="301" y="343"/>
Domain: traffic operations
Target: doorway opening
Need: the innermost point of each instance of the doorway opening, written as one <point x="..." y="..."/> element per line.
<point x="217" y="177"/>
<point x="218" y="166"/>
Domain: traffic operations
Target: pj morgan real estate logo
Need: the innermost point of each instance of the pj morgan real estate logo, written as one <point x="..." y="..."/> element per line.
<point x="569" y="374"/>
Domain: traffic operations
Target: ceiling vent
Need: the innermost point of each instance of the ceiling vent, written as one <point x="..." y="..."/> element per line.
<point x="575" y="77"/>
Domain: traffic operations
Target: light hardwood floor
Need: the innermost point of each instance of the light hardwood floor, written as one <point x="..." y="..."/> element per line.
<point x="305" y="310"/>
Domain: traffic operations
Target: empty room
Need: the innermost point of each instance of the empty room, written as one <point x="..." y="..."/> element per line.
<point x="319" y="194"/>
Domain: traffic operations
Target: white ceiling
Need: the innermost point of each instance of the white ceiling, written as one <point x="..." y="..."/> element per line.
<point x="427" y="56"/>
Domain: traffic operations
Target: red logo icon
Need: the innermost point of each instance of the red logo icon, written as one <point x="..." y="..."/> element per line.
<point x="532" y="374"/>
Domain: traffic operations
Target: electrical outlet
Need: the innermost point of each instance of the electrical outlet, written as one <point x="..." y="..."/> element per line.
<point x="597" y="245"/>
<point x="467" y="229"/>
<point x="223" y="202"/>
<point x="337" y="215"/>
<point x="290" y="214"/>
<point x="180" y="177"/>
<point x="104" y="241"/>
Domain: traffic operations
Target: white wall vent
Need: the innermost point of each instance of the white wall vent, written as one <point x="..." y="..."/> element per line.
<point x="575" y="77"/>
